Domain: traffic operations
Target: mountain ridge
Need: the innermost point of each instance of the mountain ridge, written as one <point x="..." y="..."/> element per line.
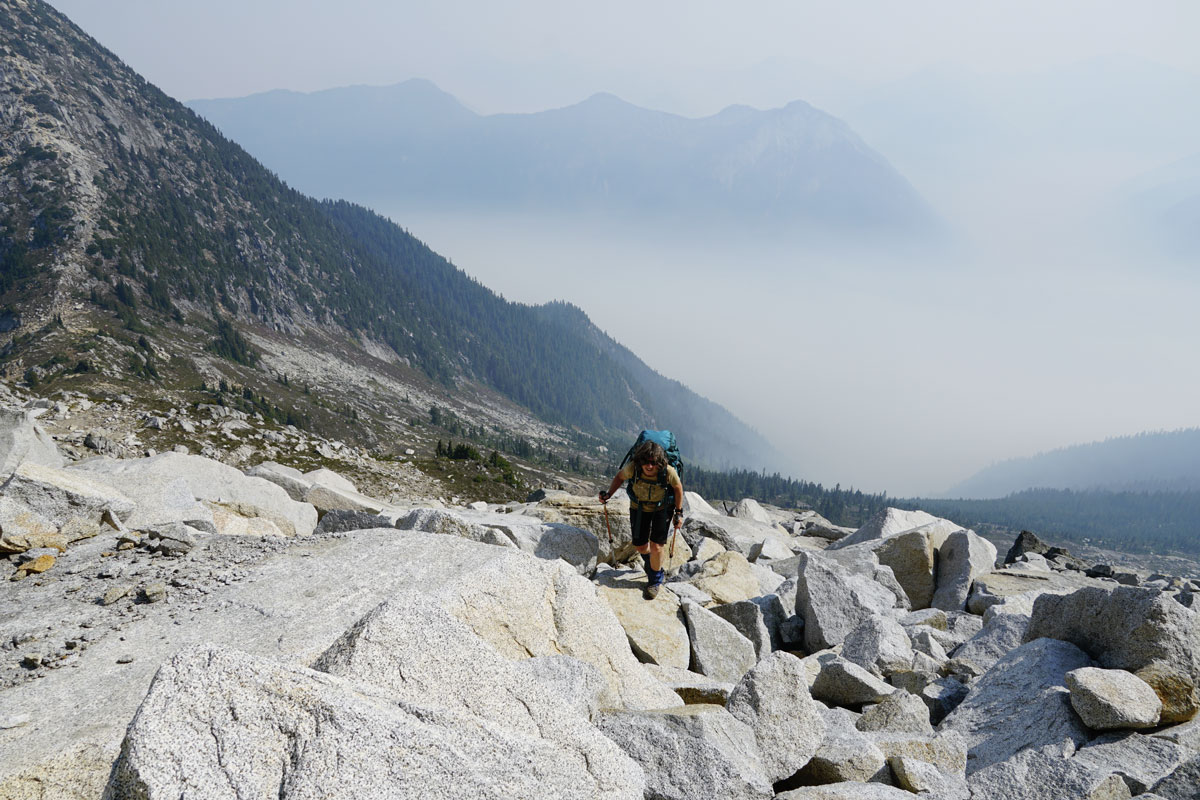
<point x="789" y="166"/>
<point x="1148" y="461"/>
<point x="144" y="250"/>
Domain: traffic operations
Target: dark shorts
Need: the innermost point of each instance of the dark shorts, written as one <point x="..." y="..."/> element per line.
<point x="653" y="526"/>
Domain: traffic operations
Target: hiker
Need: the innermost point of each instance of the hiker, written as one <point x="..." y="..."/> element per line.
<point x="655" y="498"/>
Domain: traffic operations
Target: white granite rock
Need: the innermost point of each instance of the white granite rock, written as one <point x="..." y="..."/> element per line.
<point x="698" y="752"/>
<point x="240" y="504"/>
<point x="718" y="650"/>
<point x="1000" y="585"/>
<point x="1000" y="635"/>
<point x="1141" y="761"/>
<point x="1108" y="699"/>
<point x="219" y="723"/>
<point x="692" y="687"/>
<point x="748" y="509"/>
<point x="923" y="778"/>
<point x="844" y="753"/>
<point x="879" y="645"/>
<point x="290" y="479"/>
<point x="655" y="628"/>
<point x="327" y="477"/>
<point x="748" y="617"/>
<point x="1020" y="703"/>
<point x="534" y="607"/>
<point x="773" y="699"/>
<point x="731" y="533"/>
<point x="834" y="602"/>
<point x="1134" y="629"/>
<point x="549" y="540"/>
<point x="899" y="712"/>
<point x="727" y="578"/>
<point x="891" y="522"/>
<point x="962" y="558"/>
<point x="60" y="495"/>
<point x="22" y="440"/>
<point x="1039" y="773"/>
<point x="842" y="683"/>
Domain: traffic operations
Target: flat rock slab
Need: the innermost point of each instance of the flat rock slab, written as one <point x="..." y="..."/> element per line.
<point x="655" y="628"/>
<point x="1021" y="702"/>
<point x="996" y="587"/>
<point x="222" y="724"/>
<point x="292" y="606"/>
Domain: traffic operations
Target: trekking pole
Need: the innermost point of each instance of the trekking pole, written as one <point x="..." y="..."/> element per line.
<point x="606" y="525"/>
<point x="674" y="533"/>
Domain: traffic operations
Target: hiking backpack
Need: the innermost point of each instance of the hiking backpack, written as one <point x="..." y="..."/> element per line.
<point x="665" y="440"/>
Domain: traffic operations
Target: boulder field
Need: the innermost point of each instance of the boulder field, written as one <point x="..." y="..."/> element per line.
<point x="171" y="627"/>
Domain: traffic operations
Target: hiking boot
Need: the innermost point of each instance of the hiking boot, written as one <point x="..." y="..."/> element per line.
<point x="654" y="582"/>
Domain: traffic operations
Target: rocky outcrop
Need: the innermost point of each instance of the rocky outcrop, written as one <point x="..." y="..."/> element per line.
<point x="23" y="441"/>
<point x="1133" y="629"/>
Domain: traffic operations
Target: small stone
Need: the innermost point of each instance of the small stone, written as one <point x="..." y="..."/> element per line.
<point x="125" y="660"/>
<point x="154" y="593"/>
<point x="113" y="595"/>
<point x="31" y="660"/>
<point x="15" y="721"/>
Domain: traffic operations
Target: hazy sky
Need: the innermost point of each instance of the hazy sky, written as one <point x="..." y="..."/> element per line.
<point x="223" y="48"/>
<point x="904" y="375"/>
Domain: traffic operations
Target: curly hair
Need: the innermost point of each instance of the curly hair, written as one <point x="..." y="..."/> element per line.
<point x="650" y="453"/>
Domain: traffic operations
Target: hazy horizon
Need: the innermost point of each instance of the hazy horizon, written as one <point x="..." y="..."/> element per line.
<point x="1053" y="321"/>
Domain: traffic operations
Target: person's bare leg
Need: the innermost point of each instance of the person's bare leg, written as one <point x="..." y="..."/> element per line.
<point x="656" y="555"/>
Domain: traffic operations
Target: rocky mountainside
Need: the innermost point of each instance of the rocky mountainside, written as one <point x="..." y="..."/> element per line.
<point x="411" y="146"/>
<point x="173" y="626"/>
<point x="143" y="253"/>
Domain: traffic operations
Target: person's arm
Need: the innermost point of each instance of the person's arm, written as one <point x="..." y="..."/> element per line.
<point x="617" y="480"/>
<point x="677" y="485"/>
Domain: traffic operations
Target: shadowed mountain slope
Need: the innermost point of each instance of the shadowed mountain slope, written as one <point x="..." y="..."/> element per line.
<point x="142" y="249"/>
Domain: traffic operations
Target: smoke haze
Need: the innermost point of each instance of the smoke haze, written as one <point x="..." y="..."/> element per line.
<point x="1054" y="315"/>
